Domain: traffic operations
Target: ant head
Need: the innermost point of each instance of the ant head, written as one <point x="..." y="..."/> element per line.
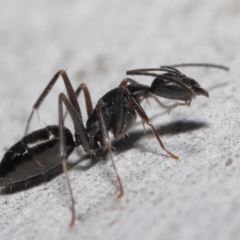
<point x="195" y="86"/>
<point x="172" y="87"/>
<point x="173" y="84"/>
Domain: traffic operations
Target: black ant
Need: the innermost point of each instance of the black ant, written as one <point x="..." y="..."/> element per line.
<point x="37" y="153"/>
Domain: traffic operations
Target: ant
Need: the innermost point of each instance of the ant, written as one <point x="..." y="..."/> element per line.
<point x="37" y="153"/>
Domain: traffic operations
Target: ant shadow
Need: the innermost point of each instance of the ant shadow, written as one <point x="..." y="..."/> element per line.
<point x="85" y="163"/>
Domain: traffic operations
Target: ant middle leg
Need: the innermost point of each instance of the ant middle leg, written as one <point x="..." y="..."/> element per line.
<point x="106" y="144"/>
<point x="88" y="101"/>
<point x="146" y="120"/>
<point x="125" y="81"/>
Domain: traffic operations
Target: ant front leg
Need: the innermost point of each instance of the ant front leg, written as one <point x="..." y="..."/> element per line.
<point x="186" y="103"/>
<point x="169" y="108"/>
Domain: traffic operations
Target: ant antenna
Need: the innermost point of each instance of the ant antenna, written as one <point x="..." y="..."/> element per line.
<point x="172" y="68"/>
<point x="209" y="65"/>
<point x="168" y="69"/>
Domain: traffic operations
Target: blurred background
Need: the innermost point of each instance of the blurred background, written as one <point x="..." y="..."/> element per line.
<point x="96" y="42"/>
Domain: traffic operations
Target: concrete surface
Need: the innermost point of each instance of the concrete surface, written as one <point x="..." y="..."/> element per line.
<point x="197" y="197"/>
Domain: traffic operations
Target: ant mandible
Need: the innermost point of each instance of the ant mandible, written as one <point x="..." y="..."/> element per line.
<point x="37" y="153"/>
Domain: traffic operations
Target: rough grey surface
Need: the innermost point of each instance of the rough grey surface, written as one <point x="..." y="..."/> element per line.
<point x="197" y="197"/>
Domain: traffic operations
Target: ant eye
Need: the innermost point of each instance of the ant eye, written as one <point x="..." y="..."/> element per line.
<point x="189" y="81"/>
<point x="193" y="82"/>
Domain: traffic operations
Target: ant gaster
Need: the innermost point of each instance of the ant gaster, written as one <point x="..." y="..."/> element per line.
<point x="37" y="153"/>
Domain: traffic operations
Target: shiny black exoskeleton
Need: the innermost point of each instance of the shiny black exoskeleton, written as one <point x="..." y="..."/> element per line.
<point x="39" y="152"/>
<point x="35" y="154"/>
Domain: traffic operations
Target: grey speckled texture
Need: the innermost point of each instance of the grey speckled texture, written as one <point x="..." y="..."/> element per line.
<point x="197" y="197"/>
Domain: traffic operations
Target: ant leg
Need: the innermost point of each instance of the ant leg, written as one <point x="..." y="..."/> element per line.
<point x="70" y="92"/>
<point x="169" y="108"/>
<point x="106" y="143"/>
<point x="63" y="156"/>
<point x="159" y="102"/>
<point x="83" y="138"/>
<point x="87" y="97"/>
<point x="125" y="81"/>
<point x="186" y="103"/>
<point x="146" y="120"/>
<point x="81" y="134"/>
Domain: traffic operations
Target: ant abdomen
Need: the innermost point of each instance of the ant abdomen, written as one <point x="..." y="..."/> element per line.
<point x="35" y="154"/>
